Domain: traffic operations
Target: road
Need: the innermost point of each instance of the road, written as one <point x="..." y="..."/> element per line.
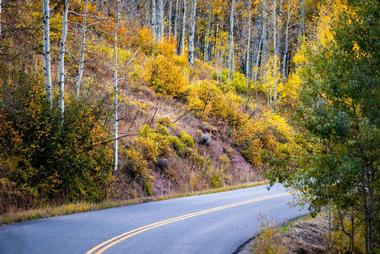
<point x="214" y="223"/>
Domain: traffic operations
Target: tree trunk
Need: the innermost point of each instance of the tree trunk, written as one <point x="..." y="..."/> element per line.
<point x="170" y="19"/>
<point x="116" y="92"/>
<point x="273" y="100"/>
<point x="248" y="58"/>
<point x="175" y="32"/>
<point x="154" y="20"/>
<point x="82" y="49"/>
<point x="181" y="49"/>
<point x="47" y="63"/>
<point x="207" y="38"/>
<point x="1" y="27"/>
<point x="286" y="48"/>
<point x="61" y="65"/>
<point x="192" y="32"/>
<point x="231" y="59"/>
<point x="160" y="17"/>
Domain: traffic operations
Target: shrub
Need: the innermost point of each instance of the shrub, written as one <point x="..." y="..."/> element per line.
<point x="137" y="167"/>
<point x="165" y="77"/>
<point x="42" y="160"/>
<point x="186" y="139"/>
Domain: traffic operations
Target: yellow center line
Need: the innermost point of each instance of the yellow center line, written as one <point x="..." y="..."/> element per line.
<point x="102" y="247"/>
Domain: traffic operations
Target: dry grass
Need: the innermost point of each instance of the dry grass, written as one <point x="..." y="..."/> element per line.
<point x="51" y="211"/>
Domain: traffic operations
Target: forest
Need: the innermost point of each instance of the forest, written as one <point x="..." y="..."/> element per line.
<point x="122" y="99"/>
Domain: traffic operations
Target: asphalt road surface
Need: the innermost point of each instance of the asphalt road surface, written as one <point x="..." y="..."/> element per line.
<point x="214" y="223"/>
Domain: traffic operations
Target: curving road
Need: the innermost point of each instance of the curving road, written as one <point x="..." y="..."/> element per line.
<point x="213" y="223"/>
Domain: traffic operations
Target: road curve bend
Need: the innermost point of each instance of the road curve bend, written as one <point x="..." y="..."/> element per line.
<point x="213" y="223"/>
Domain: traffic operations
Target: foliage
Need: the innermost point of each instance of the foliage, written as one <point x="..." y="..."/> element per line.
<point x="339" y="116"/>
<point x="165" y="77"/>
<point x="43" y="160"/>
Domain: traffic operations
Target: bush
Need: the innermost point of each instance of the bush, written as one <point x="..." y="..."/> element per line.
<point x="186" y="139"/>
<point x="42" y="160"/>
<point x="137" y="167"/>
<point x="165" y="77"/>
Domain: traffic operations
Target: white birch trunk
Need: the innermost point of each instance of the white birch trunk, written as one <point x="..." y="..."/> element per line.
<point x="154" y="19"/>
<point x="61" y="65"/>
<point x="116" y="92"/>
<point x="260" y="46"/>
<point x="192" y="32"/>
<point x="175" y="32"/>
<point x="231" y="42"/>
<point x="181" y="50"/>
<point x="160" y="17"/>
<point x="82" y="50"/>
<point x="207" y="38"/>
<point x="47" y="63"/>
<point x="275" y="54"/>
<point x="248" y="59"/>
<point x="170" y="19"/>
<point x="286" y="49"/>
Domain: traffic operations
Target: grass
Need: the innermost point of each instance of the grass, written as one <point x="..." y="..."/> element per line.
<point x="51" y="211"/>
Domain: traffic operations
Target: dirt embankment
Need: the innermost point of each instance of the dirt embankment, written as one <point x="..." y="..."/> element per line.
<point x="303" y="236"/>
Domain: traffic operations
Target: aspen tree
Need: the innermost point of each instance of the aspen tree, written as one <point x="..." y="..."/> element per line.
<point x="46" y="42"/>
<point x="181" y="48"/>
<point x="231" y="42"/>
<point x="61" y="64"/>
<point x="154" y="19"/>
<point x="175" y="32"/>
<point x="82" y="49"/>
<point x="116" y="90"/>
<point x="192" y="32"/>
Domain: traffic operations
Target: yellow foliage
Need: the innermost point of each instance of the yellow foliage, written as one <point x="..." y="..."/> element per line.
<point x="165" y="77"/>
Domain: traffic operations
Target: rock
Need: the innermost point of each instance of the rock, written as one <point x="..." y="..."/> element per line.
<point x="205" y="139"/>
<point x="163" y="163"/>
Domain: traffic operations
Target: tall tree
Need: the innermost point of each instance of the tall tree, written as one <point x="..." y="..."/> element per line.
<point x="116" y="90"/>
<point x="286" y="42"/>
<point x="192" y="32"/>
<point x="1" y="10"/>
<point x="170" y="14"/>
<point x="82" y="49"/>
<point x="154" y="19"/>
<point x="231" y="57"/>
<point x="47" y="63"/>
<point x="181" y="48"/>
<point x="175" y="32"/>
<point x="248" y="49"/>
<point x="273" y="100"/>
<point x="61" y="65"/>
<point x="160" y="17"/>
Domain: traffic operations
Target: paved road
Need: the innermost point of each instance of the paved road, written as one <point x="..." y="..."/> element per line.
<point x="213" y="223"/>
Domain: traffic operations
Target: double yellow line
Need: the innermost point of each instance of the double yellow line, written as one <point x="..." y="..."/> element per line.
<point x="112" y="242"/>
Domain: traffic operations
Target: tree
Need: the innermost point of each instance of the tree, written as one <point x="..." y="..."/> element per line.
<point x="46" y="43"/>
<point x="248" y="49"/>
<point x="61" y="64"/>
<point x="116" y="91"/>
<point x="160" y="17"/>
<point x="231" y="58"/>
<point x="181" y="47"/>
<point x="154" y="19"/>
<point x="340" y="117"/>
<point x="82" y="49"/>
<point x="192" y="32"/>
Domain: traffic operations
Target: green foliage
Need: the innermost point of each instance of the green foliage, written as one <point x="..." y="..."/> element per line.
<point x="43" y="160"/>
<point x="339" y="117"/>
